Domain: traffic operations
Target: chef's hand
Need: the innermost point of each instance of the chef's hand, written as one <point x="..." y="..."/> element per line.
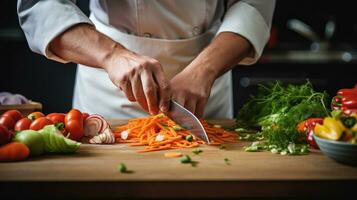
<point x="191" y="88"/>
<point x="141" y="78"/>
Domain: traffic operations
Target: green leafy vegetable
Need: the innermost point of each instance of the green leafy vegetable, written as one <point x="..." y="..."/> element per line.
<point x="275" y="112"/>
<point x="55" y="142"/>
<point x="33" y="140"/>
<point x="197" y="151"/>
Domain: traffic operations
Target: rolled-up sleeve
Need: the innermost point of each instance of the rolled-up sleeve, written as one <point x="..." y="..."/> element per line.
<point x="252" y="20"/>
<point x="43" y="20"/>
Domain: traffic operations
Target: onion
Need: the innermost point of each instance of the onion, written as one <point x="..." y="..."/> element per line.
<point x="96" y="127"/>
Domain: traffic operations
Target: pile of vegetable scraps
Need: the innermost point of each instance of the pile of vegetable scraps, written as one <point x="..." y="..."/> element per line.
<point x="159" y="132"/>
<point x="270" y="118"/>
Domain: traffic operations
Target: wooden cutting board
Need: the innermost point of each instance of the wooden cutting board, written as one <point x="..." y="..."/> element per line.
<point x="93" y="170"/>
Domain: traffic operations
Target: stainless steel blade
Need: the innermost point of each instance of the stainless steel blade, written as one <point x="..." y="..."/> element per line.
<point x="187" y="120"/>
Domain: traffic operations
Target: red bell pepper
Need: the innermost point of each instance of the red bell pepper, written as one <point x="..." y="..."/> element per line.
<point x="307" y="127"/>
<point x="346" y="101"/>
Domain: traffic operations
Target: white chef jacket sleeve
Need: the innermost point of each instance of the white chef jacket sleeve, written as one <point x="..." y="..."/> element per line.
<point x="44" y="20"/>
<point x="252" y="20"/>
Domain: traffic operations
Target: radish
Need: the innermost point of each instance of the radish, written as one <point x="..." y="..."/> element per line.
<point x="105" y="137"/>
<point x="98" y="129"/>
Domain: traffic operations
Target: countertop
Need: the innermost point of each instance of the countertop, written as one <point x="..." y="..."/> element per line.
<point x="92" y="173"/>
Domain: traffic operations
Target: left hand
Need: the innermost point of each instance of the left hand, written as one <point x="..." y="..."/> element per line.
<point x="191" y="88"/>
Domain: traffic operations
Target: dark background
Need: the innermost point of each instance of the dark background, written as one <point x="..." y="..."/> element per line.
<point x="51" y="83"/>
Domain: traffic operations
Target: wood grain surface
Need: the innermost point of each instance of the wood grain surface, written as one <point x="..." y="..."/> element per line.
<point x="95" y="166"/>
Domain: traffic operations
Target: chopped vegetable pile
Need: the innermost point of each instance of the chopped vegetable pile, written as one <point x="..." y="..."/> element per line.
<point x="52" y="133"/>
<point x="275" y="113"/>
<point x="159" y="133"/>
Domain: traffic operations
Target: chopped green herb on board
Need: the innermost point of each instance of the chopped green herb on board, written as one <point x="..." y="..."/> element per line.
<point x="189" y="138"/>
<point x="123" y="169"/>
<point x="227" y="161"/>
<point x="187" y="160"/>
<point x="197" y="151"/>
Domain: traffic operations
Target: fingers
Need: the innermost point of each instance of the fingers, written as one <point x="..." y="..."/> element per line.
<point x="164" y="88"/>
<point x="150" y="91"/>
<point x="139" y="92"/>
<point x="180" y="99"/>
<point x="200" y="107"/>
<point x="142" y="79"/>
<point x="191" y="105"/>
<point x="127" y="89"/>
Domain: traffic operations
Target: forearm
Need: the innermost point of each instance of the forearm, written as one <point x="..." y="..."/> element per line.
<point x="224" y="52"/>
<point x="141" y="78"/>
<point x="83" y="44"/>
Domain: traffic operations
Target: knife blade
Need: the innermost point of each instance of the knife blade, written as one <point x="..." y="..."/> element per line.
<point x="187" y="120"/>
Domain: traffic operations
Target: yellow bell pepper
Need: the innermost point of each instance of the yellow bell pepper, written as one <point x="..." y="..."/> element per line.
<point x="331" y="129"/>
<point x="354" y="128"/>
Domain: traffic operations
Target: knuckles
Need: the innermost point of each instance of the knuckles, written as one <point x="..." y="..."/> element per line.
<point x="165" y="87"/>
<point x="150" y="89"/>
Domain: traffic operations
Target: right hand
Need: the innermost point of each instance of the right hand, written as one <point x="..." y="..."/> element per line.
<point x="141" y="78"/>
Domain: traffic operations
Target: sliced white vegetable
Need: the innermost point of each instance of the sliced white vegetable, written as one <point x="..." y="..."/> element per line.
<point x="124" y="135"/>
<point x="96" y="127"/>
<point x="107" y="137"/>
<point x="104" y="124"/>
<point x="159" y="138"/>
<point x="92" y="126"/>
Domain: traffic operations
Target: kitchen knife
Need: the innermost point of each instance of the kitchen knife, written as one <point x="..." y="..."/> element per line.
<point x="187" y="120"/>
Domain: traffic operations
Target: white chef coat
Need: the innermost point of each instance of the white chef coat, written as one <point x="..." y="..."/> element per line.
<point x="171" y="31"/>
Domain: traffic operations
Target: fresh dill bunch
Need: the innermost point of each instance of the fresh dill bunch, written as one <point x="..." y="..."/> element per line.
<point x="277" y="109"/>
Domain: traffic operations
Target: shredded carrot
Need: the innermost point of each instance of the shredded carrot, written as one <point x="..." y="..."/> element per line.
<point x="172" y="154"/>
<point x="159" y="132"/>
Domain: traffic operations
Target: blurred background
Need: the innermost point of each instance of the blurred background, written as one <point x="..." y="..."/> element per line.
<point x="315" y="40"/>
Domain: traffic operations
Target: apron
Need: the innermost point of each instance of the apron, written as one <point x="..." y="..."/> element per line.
<point x="95" y="93"/>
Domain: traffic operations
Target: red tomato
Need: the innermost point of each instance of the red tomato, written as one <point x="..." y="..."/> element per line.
<point x="56" y="117"/>
<point x="35" y="115"/>
<point x="40" y="123"/>
<point x="74" y="124"/>
<point x="7" y="121"/>
<point x="85" y="116"/>
<point x="23" y="124"/>
<point x="5" y="135"/>
<point x="15" y="114"/>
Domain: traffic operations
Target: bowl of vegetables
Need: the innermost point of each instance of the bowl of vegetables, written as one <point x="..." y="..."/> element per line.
<point x="337" y="138"/>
